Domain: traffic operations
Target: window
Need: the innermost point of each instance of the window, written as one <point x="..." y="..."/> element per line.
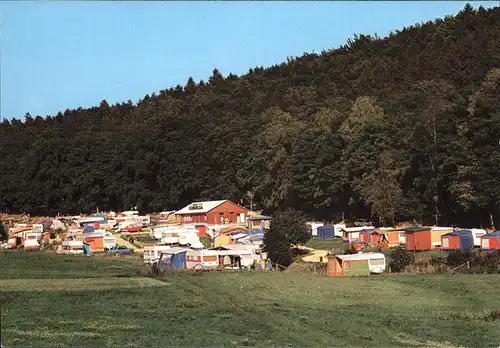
<point x="446" y="243"/>
<point x="485" y="243"/>
<point x="377" y="262"/>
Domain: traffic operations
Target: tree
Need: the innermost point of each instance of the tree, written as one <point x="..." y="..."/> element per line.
<point x="364" y="111"/>
<point x="288" y="229"/>
<point x="4" y="235"/>
<point x="190" y="87"/>
<point x="381" y="190"/>
<point x="306" y="134"/>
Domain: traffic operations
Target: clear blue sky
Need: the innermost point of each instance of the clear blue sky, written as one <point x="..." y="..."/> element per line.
<point x="59" y="55"/>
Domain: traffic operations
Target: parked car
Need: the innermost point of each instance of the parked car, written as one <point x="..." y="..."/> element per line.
<point x="120" y="249"/>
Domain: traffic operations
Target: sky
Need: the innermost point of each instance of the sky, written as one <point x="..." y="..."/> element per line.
<point x="67" y="54"/>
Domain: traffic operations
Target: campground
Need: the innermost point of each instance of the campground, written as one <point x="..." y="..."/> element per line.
<point x="56" y="300"/>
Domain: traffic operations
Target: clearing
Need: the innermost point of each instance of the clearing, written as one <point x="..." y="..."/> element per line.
<point x="87" y="301"/>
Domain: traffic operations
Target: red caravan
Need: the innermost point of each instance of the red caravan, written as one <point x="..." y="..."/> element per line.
<point x="212" y="213"/>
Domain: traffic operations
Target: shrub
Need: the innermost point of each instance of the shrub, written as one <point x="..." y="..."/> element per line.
<point x="456" y="258"/>
<point x="206" y="241"/>
<point x="400" y="260"/>
<point x="479" y="262"/>
<point x="351" y="249"/>
<point x="488" y="263"/>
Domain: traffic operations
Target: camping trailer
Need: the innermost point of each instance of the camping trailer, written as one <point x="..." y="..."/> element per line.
<point x="71" y="247"/>
<point x="477" y="233"/>
<point x="174" y="258"/>
<point x="153" y="253"/>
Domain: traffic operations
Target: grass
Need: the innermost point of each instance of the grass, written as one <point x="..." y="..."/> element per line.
<point x="242" y="309"/>
<point x="48" y="265"/>
<point x="325" y="244"/>
<point x="74" y="284"/>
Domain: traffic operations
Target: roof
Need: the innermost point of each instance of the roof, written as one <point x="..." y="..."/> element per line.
<point x="247" y="232"/>
<point x="388" y="229"/>
<point x="459" y="233"/>
<point x="437" y="228"/>
<point x="358" y="229"/>
<point x="492" y="234"/>
<point x="174" y="250"/>
<point x="259" y="217"/>
<point x="199" y="207"/>
<point x="361" y="256"/>
<point x="256" y="237"/>
<point x="235" y="247"/>
<point x="167" y="212"/>
<point x="238" y="235"/>
<point x="417" y="229"/>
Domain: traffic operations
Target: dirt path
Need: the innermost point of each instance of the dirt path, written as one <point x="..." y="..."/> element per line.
<point x="121" y="241"/>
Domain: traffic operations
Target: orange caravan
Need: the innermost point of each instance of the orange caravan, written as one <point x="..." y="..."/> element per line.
<point x="384" y="236"/>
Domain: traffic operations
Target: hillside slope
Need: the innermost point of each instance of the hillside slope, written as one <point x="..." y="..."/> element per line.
<point x="396" y="128"/>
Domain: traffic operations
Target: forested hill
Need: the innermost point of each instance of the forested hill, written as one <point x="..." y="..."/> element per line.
<point x="403" y="127"/>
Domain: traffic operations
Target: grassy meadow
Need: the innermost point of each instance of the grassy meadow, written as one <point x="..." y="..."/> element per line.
<point x="50" y="301"/>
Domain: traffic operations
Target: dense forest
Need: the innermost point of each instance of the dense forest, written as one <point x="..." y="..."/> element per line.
<point x="405" y="127"/>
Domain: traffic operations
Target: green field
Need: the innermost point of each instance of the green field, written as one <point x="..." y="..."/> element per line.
<point x="97" y="302"/>
<point x="325" y="244"/>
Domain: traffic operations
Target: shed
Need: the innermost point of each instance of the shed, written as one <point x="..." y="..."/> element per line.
<point x="418" y="238"/>
<point x="326" y="232"/>
<point x="491" y="241"/>
<point x="461" y="239"/>
<point x="314" y="227"/>
<point x="95" y="241"/>
<point x="358" y="235"/>
<point x="425" y="238"/>
<point x="348" y="266"/>
<point x="212" y="212"/>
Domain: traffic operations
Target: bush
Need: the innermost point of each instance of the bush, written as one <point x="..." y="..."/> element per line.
<point x="488" y="263"/>
<point x="457" y="258"/>
<point x="479" y="262"/>
<point x="351" y="249"/>
<point x="400" y="260"/>
<point x="206" y="241"/>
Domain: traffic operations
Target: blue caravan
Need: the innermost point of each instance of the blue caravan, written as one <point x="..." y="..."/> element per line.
<point x="173" y="258"/>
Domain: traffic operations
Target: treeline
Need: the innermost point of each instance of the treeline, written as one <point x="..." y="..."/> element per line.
<point x="388" y="129"/>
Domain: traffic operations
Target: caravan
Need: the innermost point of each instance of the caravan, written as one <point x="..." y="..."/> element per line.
<point x="153" y="253"/>
<point x="71" y="247"/>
